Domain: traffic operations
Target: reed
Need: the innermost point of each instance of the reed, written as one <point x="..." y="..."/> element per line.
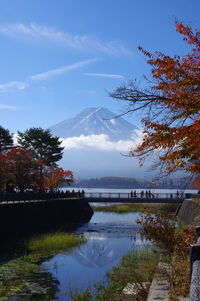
<point x="54" y="241"/>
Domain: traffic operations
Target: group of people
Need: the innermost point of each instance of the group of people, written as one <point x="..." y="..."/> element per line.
<point x="142" y="194"/>
<point x="149" y="194"/>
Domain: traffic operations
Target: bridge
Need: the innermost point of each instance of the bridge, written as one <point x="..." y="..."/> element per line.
<point x="107" y="197"/>
<point x="133" y="197"/>
<point x="37" y="197"/>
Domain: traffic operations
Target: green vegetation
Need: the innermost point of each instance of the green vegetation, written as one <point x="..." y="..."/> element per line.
<point x="143" y="208"/>
<point x="19" y="274"/>
<point x="53" y="241"/>
<point x="81" y="296"/>
<point x="45" y="146"/>
<point x="175" y="242"/>
<point x="135" y="268"/>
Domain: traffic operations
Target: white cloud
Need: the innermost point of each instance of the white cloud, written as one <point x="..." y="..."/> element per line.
<point x="107" y="75"/>
<point x="2" y="106"/>
<point x="13" y="85"/>
<point x="61" y="70"/>
<point x="33" y="32"/>
<point x="17" y="85"/>
<point x="100" y="142"/>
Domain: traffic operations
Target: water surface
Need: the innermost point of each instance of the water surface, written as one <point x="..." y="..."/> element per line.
<point x="109" y="236"/>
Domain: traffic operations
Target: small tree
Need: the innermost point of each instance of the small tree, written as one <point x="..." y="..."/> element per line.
<point x="22" y="168"/>
<point x="171" y="105"/>
<point x="55" y="176"/>
<point x="6" y="139"/>
<point x="3" y="172"/>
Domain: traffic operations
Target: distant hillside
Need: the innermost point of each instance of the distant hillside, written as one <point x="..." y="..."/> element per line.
<point x="129" y="183"/>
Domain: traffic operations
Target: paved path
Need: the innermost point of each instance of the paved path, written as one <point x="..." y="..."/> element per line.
<point x="159" y="289"/>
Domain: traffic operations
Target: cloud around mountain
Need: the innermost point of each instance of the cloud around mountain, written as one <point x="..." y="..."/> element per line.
<point x="94" y="141"/>
<point x="100" y="142"/>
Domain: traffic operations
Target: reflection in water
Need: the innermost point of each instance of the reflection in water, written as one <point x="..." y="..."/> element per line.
<point x="109" y="237"/>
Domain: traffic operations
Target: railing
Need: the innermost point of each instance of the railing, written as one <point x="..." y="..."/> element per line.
<point x="132" y="195"/>
<point x="195" y="268"/>
<point x="17" y="197"/>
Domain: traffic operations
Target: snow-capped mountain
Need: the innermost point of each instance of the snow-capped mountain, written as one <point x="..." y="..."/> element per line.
<point x="95" y="121"/>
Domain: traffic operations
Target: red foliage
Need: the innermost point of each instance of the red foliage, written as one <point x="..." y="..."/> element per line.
<point x="55" y="176"/>
<point x="177" y="80"/>
<point x="21" y="166"/>
<point x="171" y="104"/>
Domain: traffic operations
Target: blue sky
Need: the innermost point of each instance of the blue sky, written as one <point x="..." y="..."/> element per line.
<point x="59" y="57"/>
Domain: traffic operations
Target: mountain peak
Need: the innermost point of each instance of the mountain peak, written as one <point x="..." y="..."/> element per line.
<point x="95" y="121"/>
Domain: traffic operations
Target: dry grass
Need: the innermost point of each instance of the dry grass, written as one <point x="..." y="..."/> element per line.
<point x="143" y="208"/>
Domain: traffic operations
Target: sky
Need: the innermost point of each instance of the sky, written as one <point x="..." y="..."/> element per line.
<point x="60" y="57"/>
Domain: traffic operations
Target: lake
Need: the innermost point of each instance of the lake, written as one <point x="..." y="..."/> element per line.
<point x="138" y="190"/>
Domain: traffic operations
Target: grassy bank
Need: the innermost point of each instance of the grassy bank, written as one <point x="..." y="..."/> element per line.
<point x="135" y="273"/>
<point x="22" y="273"/>
<point x="46" y="244"/>
<point x="175" y="241"/>
<point x="143" y="208"/>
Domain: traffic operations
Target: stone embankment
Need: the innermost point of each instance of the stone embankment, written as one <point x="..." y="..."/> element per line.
<point x="159" y="289"/>
<point x="189" y="212"/>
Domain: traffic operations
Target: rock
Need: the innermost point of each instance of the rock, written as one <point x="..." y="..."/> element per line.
<point x="134" y="288"/>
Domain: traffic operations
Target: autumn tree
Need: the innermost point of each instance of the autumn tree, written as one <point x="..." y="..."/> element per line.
<point x="3" y="171"/>
<point x="6" y="142"/>
<point x="55" y="176"/>
<point x="22" y="168"/>
<point x="170" y="105"/>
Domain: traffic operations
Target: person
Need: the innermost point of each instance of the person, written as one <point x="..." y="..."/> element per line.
<point x="135" y="194"/>
<point x="131" y="193"/>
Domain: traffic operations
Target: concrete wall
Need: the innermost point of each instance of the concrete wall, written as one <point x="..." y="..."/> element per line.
<point x="189" y="212"/>
<point x="42" y="216"/>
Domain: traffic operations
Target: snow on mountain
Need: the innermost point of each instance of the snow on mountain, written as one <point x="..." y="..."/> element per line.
<point x="96" y="121"/>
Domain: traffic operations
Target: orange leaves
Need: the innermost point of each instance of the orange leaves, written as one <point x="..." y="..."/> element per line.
<point x="55" y="176"/>
<point x="20" y="168"/>
<point x="196" y="181"/>
<point x="190" y="36"/>
<point x="172" y="125"/>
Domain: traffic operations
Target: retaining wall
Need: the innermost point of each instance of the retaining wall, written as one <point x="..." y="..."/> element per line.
<point x="38" y="216"/>
<point x="189" y="212"/>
